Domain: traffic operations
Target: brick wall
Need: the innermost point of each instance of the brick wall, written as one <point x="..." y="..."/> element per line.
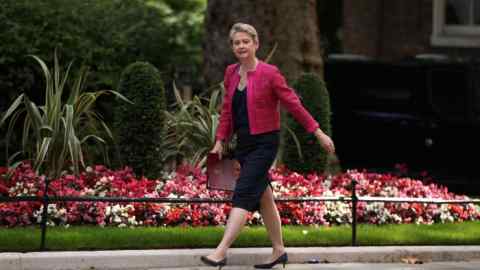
<point x="387" y="29"/>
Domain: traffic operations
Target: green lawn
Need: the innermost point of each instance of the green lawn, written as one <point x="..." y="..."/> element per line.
<point x="96" y="238"/>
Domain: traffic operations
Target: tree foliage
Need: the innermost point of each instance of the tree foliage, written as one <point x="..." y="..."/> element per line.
<point x="105" y="34"/>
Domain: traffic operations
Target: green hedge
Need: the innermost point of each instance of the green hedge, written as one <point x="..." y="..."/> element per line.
<point x="140" y="126"/>
<point x="315" y="98"/>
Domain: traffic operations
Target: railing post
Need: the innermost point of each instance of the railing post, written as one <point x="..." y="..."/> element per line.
<point x="44" y="214"/>
<point x="354" y="213"/>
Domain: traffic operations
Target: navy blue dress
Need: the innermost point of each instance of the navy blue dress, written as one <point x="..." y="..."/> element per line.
<point x="255" y="154"/>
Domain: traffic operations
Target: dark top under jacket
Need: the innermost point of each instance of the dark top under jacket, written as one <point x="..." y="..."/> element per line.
<point x="241" y="125"/>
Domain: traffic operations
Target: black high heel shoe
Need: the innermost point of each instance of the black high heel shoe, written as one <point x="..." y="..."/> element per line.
<point x="220" y="264"/>
<point x="283" y="259"/>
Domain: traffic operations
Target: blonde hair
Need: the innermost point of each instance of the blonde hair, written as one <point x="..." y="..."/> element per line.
<point x="245" y="28"/>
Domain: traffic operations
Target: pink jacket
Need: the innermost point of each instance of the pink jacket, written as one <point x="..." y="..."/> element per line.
<point x="267" y="89"/>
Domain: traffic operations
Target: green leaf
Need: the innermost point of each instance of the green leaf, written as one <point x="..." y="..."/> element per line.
<point x="297" y="142"/>
<point x="33" y="115"/>
<point x="42" y="153"/>
<point x="12" y="108"/>
<point x="48" y="80"/>
<point x="46" y="131"/>
<point x="12" y="158"/>
<point x="118" y="95"/>
<point x="93" y="137"/>
<point x="178" y="97"/>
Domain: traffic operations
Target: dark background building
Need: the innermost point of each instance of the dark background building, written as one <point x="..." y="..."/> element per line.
<point x="406" y="88"/>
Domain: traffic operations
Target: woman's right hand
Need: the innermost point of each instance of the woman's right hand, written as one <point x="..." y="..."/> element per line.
<point x="218" y="149"/>
<point x="325" y="141"/>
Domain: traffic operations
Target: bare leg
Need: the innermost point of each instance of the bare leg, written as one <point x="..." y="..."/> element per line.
<point x="235" y="223"/>
<point x="271" y="218"/>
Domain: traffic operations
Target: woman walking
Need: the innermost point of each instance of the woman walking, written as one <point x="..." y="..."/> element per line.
<point x="250" y="109"/>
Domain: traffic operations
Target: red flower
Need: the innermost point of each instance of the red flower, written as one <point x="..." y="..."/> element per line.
<point x="3" y="189"/>
<point x="190" y="182"/>
<point x="3" y="170"/>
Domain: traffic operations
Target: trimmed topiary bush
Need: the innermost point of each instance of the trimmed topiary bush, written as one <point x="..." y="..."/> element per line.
<point x="315" y="98"/>
<point x="139" y="126"/>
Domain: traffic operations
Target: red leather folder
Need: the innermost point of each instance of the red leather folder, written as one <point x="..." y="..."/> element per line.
<point x="222" y="174"/>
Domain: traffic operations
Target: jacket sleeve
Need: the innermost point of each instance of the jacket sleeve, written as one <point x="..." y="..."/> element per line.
<point x="289" y="100"/>
<point x="225" y="123"/>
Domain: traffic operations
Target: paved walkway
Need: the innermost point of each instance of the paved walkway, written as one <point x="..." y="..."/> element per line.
<point x="474" y="265"/>
<point x="371" y="258"/>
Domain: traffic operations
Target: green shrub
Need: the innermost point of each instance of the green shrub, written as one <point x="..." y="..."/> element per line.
<point x="56" y="134"/>
<point x="139" y="127"/>
<point x="191" y="128"/>
<point x="315" y="98"/>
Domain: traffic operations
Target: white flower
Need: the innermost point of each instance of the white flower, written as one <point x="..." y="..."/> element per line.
<point x="396" y="218"/>
<point x="52" y="209"/>
<point x="102" y="180"/>
<point x="159" y="186"/>
<point x="275" y="185"/>
<point x="328" y="193"/>
<point x="419" y="220"/>
<point x="132" y="221"/>
<point x="327" y="184"/>
<point x="89" y="192"/>
<point x="61" y="212"/>
<point x="116" y="209"/>
<point x="117" y="219"/>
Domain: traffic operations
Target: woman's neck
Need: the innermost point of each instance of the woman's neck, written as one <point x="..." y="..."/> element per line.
<point x="249" y="64"/>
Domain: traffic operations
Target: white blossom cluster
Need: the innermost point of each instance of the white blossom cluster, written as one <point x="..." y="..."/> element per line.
<point x="119" y="215"/>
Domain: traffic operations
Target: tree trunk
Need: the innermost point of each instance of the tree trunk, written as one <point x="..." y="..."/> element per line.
<point x="292" y="25"/>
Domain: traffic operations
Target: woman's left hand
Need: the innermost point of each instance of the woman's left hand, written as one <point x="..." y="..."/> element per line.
<point x="325" y="141"/>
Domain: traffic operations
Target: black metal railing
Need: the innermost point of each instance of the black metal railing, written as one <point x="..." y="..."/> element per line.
<point x="354" y="199"/>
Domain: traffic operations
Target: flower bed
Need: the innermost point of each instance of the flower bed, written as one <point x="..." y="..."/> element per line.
<point x="191" y="183"/>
